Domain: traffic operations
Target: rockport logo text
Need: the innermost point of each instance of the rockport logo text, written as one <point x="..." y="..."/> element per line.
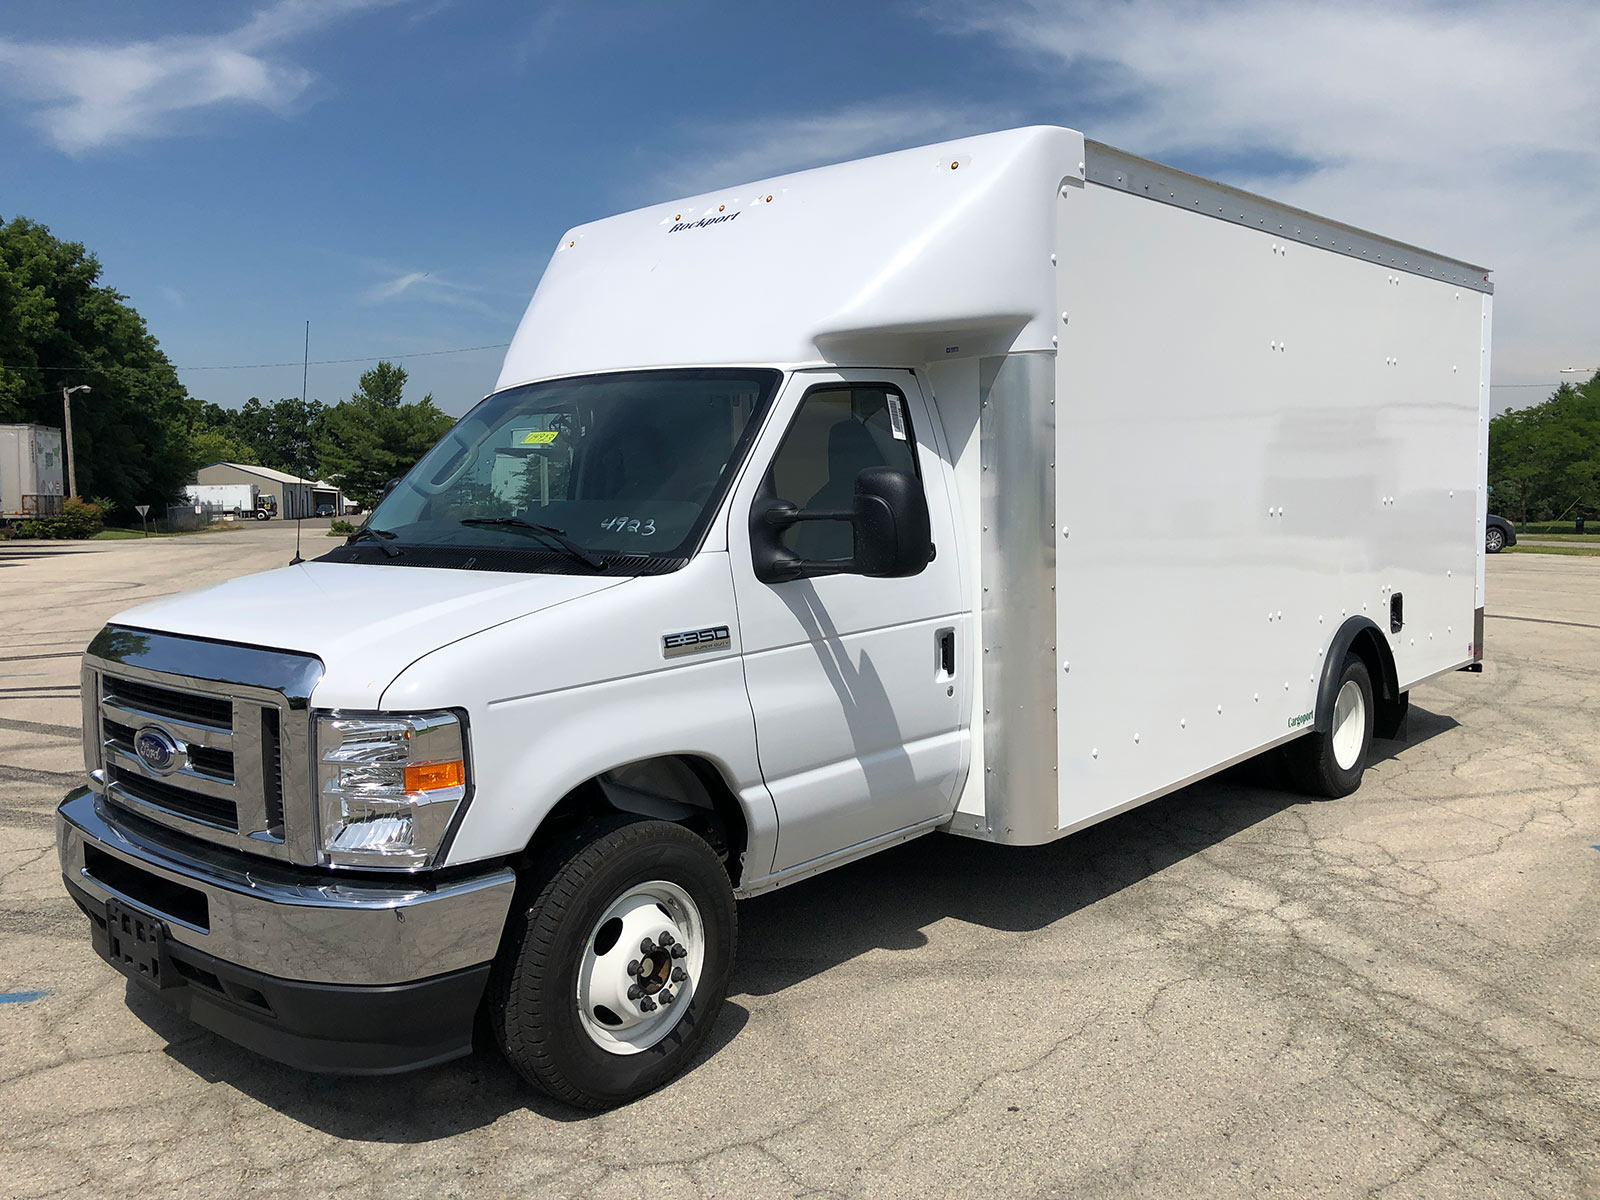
<point x="702" y="222"/>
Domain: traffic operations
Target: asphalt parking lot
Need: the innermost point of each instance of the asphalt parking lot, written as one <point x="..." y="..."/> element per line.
<point x="1232" y="991"/>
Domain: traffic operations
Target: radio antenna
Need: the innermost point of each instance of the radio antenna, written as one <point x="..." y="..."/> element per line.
<point x="300" y="513"/>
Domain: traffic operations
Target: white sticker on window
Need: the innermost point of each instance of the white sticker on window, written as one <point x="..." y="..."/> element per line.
<point x="897" y="418"/>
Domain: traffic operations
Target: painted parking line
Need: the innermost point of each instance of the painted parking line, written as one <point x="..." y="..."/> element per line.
<point x="21" y="997"/>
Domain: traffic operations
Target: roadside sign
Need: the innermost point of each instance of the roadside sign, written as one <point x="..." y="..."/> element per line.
<point x="142" y="509"/>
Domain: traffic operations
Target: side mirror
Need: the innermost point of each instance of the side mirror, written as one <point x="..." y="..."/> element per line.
<point x="890" y="522"/>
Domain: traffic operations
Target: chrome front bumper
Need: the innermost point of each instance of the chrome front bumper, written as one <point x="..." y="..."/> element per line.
<point x="282" y="921"/>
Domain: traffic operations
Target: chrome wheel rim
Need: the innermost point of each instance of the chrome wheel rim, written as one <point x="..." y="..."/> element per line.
<point x="1349" y="724"/>
<point x="641" y="963"/>
<point x="1496" y="539"/>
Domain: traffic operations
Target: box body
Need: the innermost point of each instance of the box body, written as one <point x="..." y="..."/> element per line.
<point x="1244" y="440"/>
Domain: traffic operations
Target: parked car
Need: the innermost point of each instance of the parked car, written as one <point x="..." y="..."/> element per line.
<point x="1498" y="534"/>
<point x="326" y="510"/>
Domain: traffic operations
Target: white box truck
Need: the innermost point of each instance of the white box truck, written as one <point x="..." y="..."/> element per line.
<point x="30" y="471"/>
<point x="244" y="500"/>
<point x="993" y="487"/>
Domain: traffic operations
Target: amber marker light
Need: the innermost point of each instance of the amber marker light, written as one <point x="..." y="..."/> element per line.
<point x="430" y="777"/>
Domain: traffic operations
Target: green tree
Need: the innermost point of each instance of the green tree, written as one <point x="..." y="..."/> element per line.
<point x="1544" y="461"/>
<point x="60" y="327"/>
<point x="374" y="437"/>
<point x="208" y="446"/>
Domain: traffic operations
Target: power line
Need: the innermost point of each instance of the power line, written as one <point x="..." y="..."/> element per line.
<point x="321" y="362"/>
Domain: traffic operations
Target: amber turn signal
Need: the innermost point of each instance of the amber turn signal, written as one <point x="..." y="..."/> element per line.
<point x="430" y="777"/>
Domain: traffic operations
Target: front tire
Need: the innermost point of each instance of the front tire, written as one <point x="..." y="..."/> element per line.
<point x="616" y="962"/>
<point x="1494" y="541"/>
<point x="1331" y="762"/>
<point x="262" y="514"/>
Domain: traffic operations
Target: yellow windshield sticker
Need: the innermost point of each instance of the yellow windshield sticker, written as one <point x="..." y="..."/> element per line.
<point x="539" y="437"/>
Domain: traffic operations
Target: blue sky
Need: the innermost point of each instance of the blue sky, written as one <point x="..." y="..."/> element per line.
<point x="397" y="171"/>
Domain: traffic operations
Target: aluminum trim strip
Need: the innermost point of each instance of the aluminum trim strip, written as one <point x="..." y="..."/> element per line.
<point x="1017" y="618"/>
<point x="1109" y="167"/>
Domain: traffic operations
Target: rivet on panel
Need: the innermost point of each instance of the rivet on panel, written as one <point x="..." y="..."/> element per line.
<point x="1052" y="260"/>
<point x="1063" y="318"/>
<point x="1095" y="752"/>
<point x="1219" y="710"/>
<point x="1136" y="739"/>
<point x="1066" y="666"/>
<point x="1182" y="724"/>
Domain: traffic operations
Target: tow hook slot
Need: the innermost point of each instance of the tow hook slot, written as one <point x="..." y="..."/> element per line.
<point x="1397" y="613"/>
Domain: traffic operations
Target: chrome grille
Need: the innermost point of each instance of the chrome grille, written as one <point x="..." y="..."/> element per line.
<point x="238" y="772"/>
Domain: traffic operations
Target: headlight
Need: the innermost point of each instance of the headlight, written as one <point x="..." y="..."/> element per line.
<point x="388" y="786"/>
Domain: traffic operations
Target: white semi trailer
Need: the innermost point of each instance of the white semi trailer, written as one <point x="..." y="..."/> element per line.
<point x="30" y="471"/>
<point x="993" y="488"/>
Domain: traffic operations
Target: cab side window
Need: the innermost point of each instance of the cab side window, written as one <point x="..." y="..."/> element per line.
<point x="839" y="431"/>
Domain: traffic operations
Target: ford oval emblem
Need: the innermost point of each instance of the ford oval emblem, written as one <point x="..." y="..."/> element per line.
<point x="156" y="749"/>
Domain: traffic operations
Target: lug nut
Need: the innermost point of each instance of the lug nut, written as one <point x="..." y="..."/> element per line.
<point x="666" y="998"/>
<point x="679" y="975"/>
<point x="647" y="947"/>
<point x="635" y="992"/>
<point x="666" y="938"/>
<point x="647" y="1005"/>
<point x="633" y="967"/>
<point x="679" y="951"/>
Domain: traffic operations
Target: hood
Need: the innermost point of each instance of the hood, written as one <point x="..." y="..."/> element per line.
<point x="366" y="623"/>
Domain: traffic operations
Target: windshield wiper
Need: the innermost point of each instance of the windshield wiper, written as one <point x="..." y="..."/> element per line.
<point x="549" y="532"/>
<point x="381" y="536"/>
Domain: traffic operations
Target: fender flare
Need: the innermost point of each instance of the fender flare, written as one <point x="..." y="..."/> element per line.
<point x="1361" y="635"/>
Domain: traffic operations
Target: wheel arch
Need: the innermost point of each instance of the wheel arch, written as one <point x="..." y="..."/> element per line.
<point x="1362" y="637"/>
<point x="686" y="789"/>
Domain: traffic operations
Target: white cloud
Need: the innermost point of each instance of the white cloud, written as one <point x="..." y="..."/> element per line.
<point x="757" y="149"/>
<point x="87" y="95"/>
<point x="430" y="287"/>
<point x="1472" y="129"/>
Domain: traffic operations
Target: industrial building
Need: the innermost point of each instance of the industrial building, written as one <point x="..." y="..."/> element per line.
<point x="296" y="497"/>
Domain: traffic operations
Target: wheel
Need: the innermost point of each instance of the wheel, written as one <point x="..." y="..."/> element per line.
<point x="261" y="514"/>
<point x="615" y="963"/>
<point x="1494" y="541"/>
<point x="1331" y="762"/>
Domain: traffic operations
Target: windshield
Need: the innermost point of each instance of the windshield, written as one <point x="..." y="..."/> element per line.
<point x="614" y="473"/>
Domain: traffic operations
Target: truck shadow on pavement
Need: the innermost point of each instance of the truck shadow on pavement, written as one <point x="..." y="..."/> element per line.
<point x="885" y="902"/>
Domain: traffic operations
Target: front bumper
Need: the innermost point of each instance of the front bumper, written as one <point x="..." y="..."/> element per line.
<point x="321" y="972"/>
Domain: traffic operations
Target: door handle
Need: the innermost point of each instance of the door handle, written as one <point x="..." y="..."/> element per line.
<point x="945" y="640"/>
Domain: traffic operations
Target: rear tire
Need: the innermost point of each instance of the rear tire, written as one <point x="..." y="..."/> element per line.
<point x="1331" y="762"/>
<point x="562" y="951"/>
<point x="1494" y="541"/>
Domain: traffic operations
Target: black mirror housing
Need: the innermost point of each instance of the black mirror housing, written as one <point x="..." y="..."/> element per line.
<point x="893" y="535"/>
<point x="889" y="518"/>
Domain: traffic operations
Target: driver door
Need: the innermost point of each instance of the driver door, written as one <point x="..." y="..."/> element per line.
<point x="853" y="681"/>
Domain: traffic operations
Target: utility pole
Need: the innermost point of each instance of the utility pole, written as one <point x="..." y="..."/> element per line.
<point x="66" y="412"/>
